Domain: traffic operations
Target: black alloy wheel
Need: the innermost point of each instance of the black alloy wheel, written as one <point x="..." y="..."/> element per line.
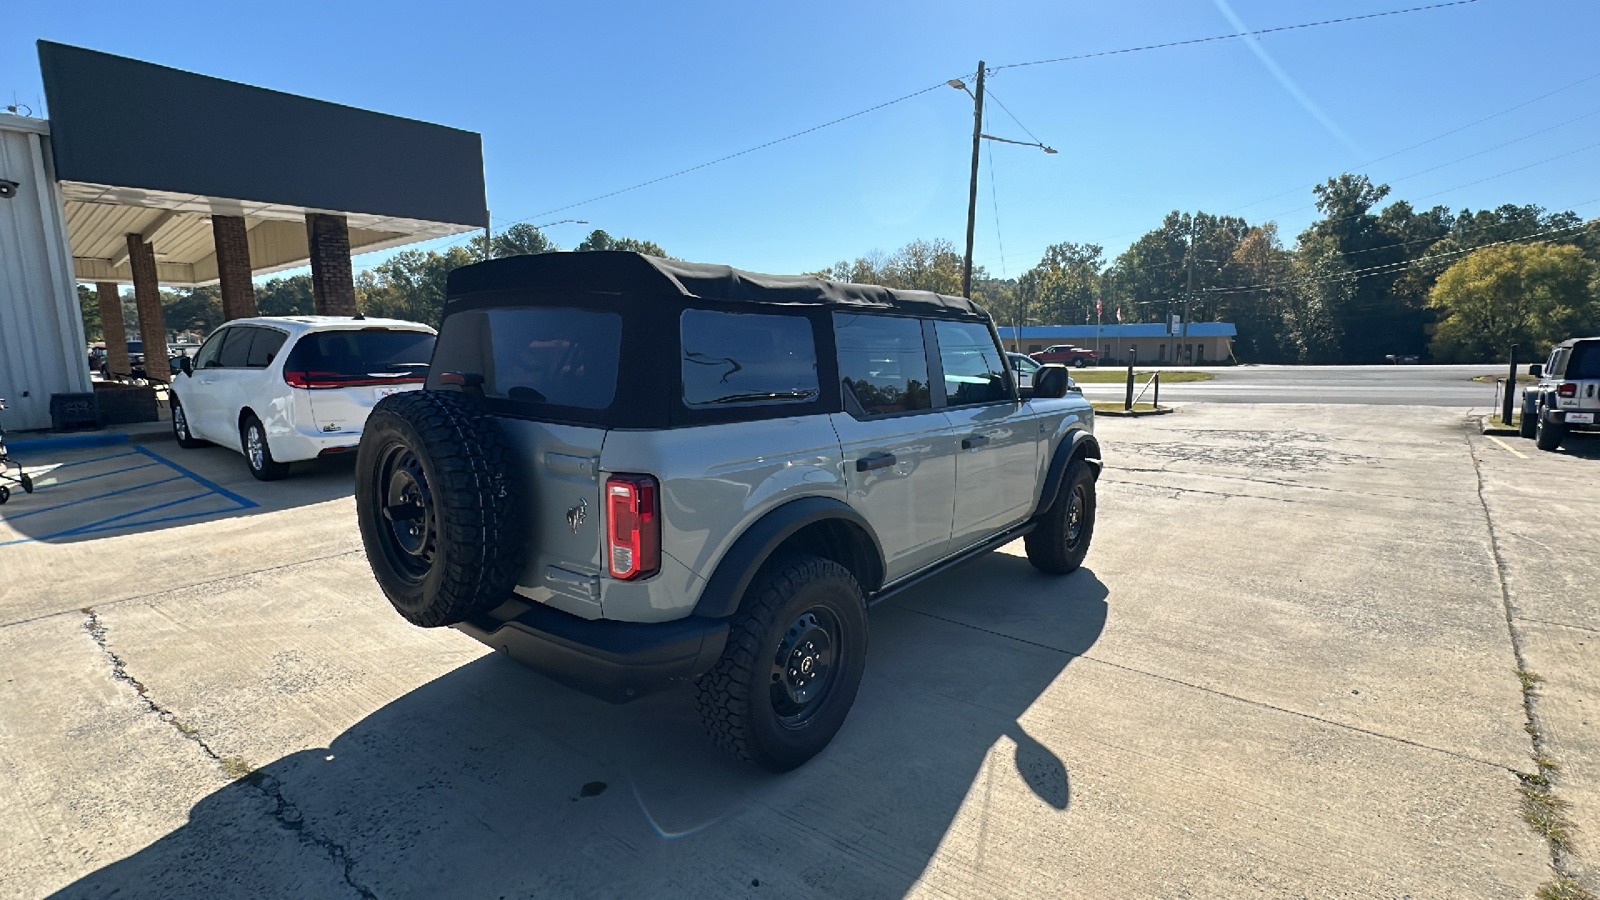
<point x="410" y="537"/>
<point x="803" y="667"/>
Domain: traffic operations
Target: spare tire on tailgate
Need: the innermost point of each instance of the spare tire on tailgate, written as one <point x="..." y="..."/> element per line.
<point x="437" y="503"/>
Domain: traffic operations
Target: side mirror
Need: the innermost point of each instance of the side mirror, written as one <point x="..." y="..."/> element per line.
<point x="186" y="365"/>
<point x="1051" y="382"/>
<point x="1536" y="370"/>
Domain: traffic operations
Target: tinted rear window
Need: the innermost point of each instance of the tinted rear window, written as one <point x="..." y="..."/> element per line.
<point x="883" y="362"/>
<point x="360" y="355"/>
<point x="550" y="355"/>
<point x="1584" y="362"/>
<point x="740" y="359"/>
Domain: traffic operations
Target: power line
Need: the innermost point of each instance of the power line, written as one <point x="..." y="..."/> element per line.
<point x="992" y="96"/>
<point x="994" y="198"/>
<point x="930" y="88"/>
<point x="1237" y="34"/>
<point x="1437" y="137"/>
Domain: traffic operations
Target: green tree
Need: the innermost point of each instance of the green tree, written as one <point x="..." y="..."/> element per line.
<point x="922" y="265"/>
<point x="410" y="285"/>
<point x="285" y="296"/>
<point x="89" y="308"/>
<point x="1062" y="288"/>
<point x="599" y="240"/>
<point x="1534" y="296"/>
<point x="192" y="310"/>
<point x="518" y="240"/>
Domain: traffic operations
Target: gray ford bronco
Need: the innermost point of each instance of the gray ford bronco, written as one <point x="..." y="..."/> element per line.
<point x="629" y="472"/>
<point x="1565" y="399"/>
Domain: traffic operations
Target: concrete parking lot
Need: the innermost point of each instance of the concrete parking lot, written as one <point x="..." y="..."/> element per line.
<point x="1289" y="669"/>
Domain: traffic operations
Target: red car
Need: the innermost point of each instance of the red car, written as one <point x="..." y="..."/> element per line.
<point x="1066" y="354"/>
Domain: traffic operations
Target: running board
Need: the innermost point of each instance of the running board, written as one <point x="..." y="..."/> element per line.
<point x="965" y="556"/>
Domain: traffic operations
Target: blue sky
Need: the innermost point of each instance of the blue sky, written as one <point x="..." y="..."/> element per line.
<point x="576" y="100"/>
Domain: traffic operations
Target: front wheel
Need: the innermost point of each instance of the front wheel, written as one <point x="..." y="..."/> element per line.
<point x="1080" y="363"/>
<point x="1528" y="425"/>
<point x="1060" y="540"/>
<point x="180" y="427"/>
<point x="792" y="665"/>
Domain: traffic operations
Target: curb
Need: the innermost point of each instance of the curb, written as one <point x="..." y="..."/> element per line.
<point x="1134" y="414"/>
<point x="1485" y="426"/>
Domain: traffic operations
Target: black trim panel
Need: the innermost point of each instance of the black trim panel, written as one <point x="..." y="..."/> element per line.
<point x="739" y="565"/>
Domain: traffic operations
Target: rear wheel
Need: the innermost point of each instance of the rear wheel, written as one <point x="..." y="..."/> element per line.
<point x="1550" y="435"/>
<point x="793" y="663"/>
<point x="1060" y="540"/>
<point x="253" y="438"/>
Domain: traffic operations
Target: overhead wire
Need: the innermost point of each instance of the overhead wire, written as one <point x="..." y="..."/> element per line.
<point x="964" y="78"/>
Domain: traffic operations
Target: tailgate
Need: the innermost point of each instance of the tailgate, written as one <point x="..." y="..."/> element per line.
<point x="559" y="470"/>
<point x="345" y="410"/>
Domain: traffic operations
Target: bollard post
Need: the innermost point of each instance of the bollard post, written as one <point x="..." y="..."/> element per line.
<point x="1133" y="356"/>
<point x="1155" y="399"/>
<point x="1511" y="390"/>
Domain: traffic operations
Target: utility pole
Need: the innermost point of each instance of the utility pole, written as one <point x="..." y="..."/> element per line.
<point x="972" y="193"/>
<point x="1188" y="292"/>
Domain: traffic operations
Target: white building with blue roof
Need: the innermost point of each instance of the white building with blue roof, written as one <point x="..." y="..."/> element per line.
<point x="1205" y="343"/>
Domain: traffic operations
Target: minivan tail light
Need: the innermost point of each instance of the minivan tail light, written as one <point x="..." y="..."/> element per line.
<point x="633" y="526"/>
<point x="1567" y="389"/>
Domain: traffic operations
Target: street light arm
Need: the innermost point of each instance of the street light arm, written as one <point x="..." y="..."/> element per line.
<point x="990" y="137"/>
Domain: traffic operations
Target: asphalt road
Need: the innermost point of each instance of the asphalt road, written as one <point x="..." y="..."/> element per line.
<point x="1379" y="385"/>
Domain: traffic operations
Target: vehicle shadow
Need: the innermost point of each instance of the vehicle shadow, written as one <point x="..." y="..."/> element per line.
<point x="92" y="493"/>
<point x="1583" y="445"/>
<point x="493" y="781"/>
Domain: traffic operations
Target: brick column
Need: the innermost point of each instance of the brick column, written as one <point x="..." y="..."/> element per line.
<point x="233" y="267"/>
<point x="147" y="296"/>
<point x="333" y="287"/>
<point x="111" y="323"/>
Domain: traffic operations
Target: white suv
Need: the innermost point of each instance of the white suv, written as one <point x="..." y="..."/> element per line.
<point x="296" y="387"/>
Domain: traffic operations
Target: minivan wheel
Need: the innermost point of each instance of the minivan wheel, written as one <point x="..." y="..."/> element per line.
<point x="438" y="511"/>
<point x="180" y="427"/>
<point x="792" y="665"/>
<point x="1060" y="540"/>
<point x="253" y="440"/>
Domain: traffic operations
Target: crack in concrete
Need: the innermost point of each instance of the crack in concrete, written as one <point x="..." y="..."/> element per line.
<point x="1200" y="687"/>
<point x="284" y="811"/>
<point x="1530" y="704"/>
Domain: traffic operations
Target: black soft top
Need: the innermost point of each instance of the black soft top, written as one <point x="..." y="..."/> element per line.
<point x="635" y="277"/>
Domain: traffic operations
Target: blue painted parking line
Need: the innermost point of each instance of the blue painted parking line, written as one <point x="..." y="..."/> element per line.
<point x="50" y="484"/>
<point x="137" y="487"/>
<point x="244" y="502"/>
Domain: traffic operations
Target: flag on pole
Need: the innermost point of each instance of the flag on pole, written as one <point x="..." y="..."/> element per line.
<point x="1119" y="315"/>
<point x="1098" y="309"/>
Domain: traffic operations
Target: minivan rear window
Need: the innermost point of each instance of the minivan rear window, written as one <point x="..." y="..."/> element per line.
<point x="549" y="355"/>
<point x="330" y="358"/>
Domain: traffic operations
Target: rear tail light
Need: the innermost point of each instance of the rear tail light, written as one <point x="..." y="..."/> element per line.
<point x="633" y="526"/>
<point x="301" y="378"/>
<point x="1567" y="389"/>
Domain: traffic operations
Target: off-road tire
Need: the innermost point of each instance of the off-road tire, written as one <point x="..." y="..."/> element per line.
<point x="737" y="697"/>
<point x="264" y="467"/>
<point x="457" y="464"/>
<point x="1550" y="435"/>
<point x="1052" y="546"/>
<point x="180" y="426"/>
<point x="1528" y="424"/>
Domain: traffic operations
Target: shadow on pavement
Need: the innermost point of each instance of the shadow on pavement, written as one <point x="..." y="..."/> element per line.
<point x="90" y="493"/>
<point x="492" y="781"/>
<point x="1582" y="445"/>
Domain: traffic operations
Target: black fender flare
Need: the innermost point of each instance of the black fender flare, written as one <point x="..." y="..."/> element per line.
<point x="1080" y="442"/>
<point x="726" y="587"/>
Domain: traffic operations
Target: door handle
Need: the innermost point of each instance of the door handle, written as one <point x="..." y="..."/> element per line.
<point x="875" y="461"/>
<point x="973" y="441"/>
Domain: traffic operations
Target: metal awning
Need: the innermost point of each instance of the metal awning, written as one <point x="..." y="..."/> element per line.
<point x="99" y="218"/>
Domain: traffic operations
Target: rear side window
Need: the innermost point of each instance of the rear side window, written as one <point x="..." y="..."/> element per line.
<point x="210" y="350"/>
<point x="883" y="363"/>
<point x="973" y="372"/>
<point x="551" y="355"/>
<point x="236" y="349"/>
<point x="743" y="359"/>
<point x="329" y="358"/>
<point x="1584" y="363"/>
<point x="267" y="343"/>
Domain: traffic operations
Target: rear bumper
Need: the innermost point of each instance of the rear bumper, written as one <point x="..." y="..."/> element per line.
<point x="1560" y="417"/>
<point x="615" y="661"/>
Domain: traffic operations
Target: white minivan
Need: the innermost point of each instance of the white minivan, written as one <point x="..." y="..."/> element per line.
<point x="281" y="389"/>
